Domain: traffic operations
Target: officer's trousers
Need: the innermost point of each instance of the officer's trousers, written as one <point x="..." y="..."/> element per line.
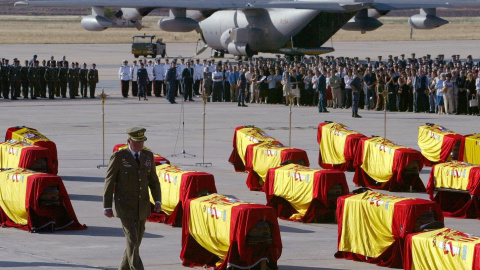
<point x="133" y="230"/>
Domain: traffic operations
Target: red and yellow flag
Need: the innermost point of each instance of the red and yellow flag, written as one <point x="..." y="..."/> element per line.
<point x="367" y="223"/>
<point x="13" y="192"/>
<point x="11" y="153"/>
<point x="378" y="157"/>
<point x="250" y="135"/>
<point x="295" y="184"/>
<point x="266" y="155"/>
<point x="443" y="249"/>
<point x="29" y="135"/>
<point x="209" y="222"/>
<point x="471" y="153"/>
<point x="170" y="178"/>
<point x="453" y="175"/>
<point x="332" y="145"/>
<point x="430" y="141"/>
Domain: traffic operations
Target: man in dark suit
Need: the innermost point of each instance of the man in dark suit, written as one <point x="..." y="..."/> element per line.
<point x="187" y="80"/>
<point x="420" y="96"/>
<point x="130" y="174"/>
<point x="322" y="92"/>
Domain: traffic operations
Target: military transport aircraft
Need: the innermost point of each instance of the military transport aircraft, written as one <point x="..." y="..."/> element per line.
<point x="247" y="27"/>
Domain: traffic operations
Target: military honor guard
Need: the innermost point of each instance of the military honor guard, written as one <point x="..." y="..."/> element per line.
<point x="92" y="79"/>
<point x="51" y="77"/>
<point x="24" y="79"/>
<point x="63" y="78"/>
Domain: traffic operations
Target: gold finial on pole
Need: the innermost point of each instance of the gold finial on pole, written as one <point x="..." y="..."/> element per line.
<point x="103" y="96"/>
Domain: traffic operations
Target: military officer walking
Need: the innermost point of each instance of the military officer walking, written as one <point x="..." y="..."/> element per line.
<point x="131" y="173"/>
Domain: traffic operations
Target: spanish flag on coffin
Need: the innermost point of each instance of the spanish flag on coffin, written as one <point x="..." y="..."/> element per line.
<point x="243" y="137"/>
<point x="15" y="154"/>
<point x="338" y="145"/>
<point x="158" y="159"/>
<point x="442" y="249"/>
<point x="456" y="175"/>
<point x="263" y="156"/>
<point x="437" y="143"/>
<point x="177" y="186"/>
<point x="372" y="226"/>
<point x="303" y="194"/>
<point x="225" y="232"/>
<point x="382" y="164"/>
<point x="34" y="137"/>
<point x="470" y="149"/>
<point x="34" y="201"/>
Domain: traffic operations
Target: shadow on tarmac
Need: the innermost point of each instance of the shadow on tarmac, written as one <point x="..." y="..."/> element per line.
<point x="293" y="230"/>
<point x="33" y="265"/>
<point x="87" y="198"/>
<point x="105" y="231"/>
<point x="83" y="179"/>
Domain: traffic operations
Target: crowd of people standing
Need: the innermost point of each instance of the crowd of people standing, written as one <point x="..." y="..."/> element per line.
<point x="33" y="79"/>
<point x="404" y="84"/>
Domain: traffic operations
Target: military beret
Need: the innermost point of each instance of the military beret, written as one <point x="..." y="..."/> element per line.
<point x="428" y="55"/>
<point x="402" y="54"/>
<point x="136" y="134"/>
<point x="413" y="53"/>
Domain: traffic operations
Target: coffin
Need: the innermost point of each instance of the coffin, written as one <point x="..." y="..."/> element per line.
<point x="299" y="193"/>
<point x="34" y="137"/>
<point x="372" y="227"/>
<point x="382" y="164"/>
<point x="177" y="186"/>
<point x="470" y="149"/>
<point x="438" y="144"/>
<point x="442" y="249"/>
<point x="263" y="156"/>
<point x="242" y="138"/>
<point x="222" y="232"/>
<point x="35" y="202"/>
<point x="16" y="154"/>
<point x="338" y="145"/>
<point x="458" y="188"/>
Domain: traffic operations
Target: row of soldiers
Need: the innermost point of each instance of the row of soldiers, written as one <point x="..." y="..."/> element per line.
<point x="32" y="80"/>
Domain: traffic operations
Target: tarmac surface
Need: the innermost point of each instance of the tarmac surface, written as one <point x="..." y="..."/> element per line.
<point x="76" y="127"/>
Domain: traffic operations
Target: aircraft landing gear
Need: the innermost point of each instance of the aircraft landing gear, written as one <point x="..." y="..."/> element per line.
<point x="218" y="54"/>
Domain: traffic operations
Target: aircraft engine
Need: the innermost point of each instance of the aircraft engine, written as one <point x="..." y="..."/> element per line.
<point x="177" y="24"/>
<point x="95" y="23"/>
<point x="427" y="19"/>
<point x="363" y="22"/>
<point x="135" y="14"/>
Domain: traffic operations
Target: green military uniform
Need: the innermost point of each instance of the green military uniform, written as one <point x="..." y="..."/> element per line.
<point x="33" y="81"/>
<point x="25" y="81"/>
<point x="73" y="79"/>
<point x="5" y="80"/>
<point x="51" y="77"/>
<point x="42" y="83"/>
<point x="83" y="82"/>
<point x="63" y="80"/>
<point x="15" y="81"/>
<point x="92" y="81"/>
<point x="131" y="180"/>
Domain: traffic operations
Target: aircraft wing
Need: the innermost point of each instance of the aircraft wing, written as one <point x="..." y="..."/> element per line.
<point x="324" y="5"/>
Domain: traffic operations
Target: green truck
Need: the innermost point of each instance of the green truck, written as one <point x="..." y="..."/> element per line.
<point x="148" y="45"/>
